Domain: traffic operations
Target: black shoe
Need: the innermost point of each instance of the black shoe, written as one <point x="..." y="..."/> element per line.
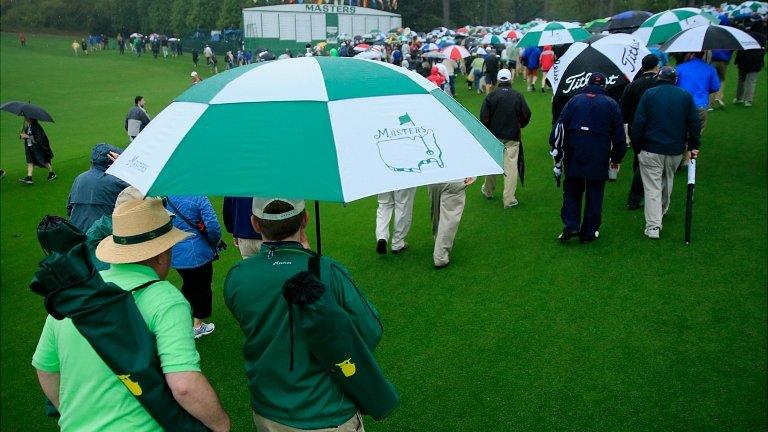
<point x="2" y="173"/>
<point x="397" y="251"/>
<point x="381" y="247"/>
<point x="567" y="235"/>
<point x="26" y="180"/>
<point x="51" y="176"/>
<point x="633" y="206"/>
<point x="589" y="238"/>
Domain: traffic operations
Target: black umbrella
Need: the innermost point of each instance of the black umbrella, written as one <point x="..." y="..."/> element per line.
<point x="27" y="110"/>
<point x="521" y="165"/>
<point x="627" y="22"/>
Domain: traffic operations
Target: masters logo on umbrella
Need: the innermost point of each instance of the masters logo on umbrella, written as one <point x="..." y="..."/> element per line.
<point x="408" y="149"/>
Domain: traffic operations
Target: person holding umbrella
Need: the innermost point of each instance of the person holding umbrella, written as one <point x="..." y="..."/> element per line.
<point x="750" y="63"/>
<point x="37" y="149"/>
<point x="588" y="137"/>
<point x="505" y="113"/>
<point x="666" y="119"/>
<point x="629" y="101"/>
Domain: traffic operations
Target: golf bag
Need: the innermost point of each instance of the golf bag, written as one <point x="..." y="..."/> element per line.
<point x="108" y="318"/>
<point x="336" y="343"/>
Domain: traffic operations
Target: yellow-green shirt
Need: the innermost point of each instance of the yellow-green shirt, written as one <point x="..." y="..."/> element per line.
<point x="91" y="398"/>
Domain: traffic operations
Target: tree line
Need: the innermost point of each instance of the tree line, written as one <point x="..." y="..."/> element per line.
<point x="181" y="17"/>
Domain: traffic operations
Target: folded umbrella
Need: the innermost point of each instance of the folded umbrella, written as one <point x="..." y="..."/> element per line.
<point x="26" y="110"/>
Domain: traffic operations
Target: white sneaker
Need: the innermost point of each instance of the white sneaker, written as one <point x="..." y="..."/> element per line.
<point x="512" y="204"/>
<point x="653" y="233"/>
<point x="747" y="103"/>
<point x="738" y="101"/>
<point x="204" y="329"/>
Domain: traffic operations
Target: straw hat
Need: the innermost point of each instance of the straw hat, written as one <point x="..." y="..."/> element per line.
<point x="141" y="229"/>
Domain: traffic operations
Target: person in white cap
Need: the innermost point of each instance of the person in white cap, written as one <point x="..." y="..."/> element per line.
<point x="505" y="113"/>
<point x="195" y="77"/>
<point x="290" y="388"/>
<point x="78" y="382"/>
<point x="400" y="203"/>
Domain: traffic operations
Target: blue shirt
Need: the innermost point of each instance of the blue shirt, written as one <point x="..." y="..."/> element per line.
<point x="699" y="79"/>
<point x="661" y="55"/>
<point x="195" y="250"/>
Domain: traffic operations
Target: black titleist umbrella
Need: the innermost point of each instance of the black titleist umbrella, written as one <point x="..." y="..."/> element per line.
<point x="710" y="37"/>
<point x="27" y="110"/>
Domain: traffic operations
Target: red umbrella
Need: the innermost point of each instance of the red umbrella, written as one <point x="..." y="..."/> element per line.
<point x="456" y="52"/>
<point x="361" y="47"/>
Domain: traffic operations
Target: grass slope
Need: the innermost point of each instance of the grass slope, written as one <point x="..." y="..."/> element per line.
<point x="520" y="333"/>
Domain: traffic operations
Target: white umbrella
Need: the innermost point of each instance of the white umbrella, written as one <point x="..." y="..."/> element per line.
<point x="710" y="37"/>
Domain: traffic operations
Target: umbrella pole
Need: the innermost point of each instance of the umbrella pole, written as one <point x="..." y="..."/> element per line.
<point x="689" y="200"/>
<point x="317" y="228"/>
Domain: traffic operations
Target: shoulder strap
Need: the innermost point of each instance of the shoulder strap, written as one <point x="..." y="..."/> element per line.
<point x="144" y="285"/>
<point x="189" y="222"/>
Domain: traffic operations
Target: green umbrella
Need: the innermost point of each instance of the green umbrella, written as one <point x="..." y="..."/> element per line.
<point x="661" y="27"/>
<point x="596" y="26"/>
<point x="553" y="33"/>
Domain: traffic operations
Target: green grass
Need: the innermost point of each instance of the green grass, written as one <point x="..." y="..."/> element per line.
<point x="520" y="333"/>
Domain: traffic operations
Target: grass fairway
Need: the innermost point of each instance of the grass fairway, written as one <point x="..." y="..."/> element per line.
<point x="520" y="333"/>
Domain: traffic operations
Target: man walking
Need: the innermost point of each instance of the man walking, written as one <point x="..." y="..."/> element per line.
<point x="666" y="119"/>
<point x="77" y="381"/>
<point x="447" y="205"/>
<point x="645" y="80"/>
<point x="750" y="63"/>
<point x="530" y="59"/>
<point x="490" y="69"/>
<point x="588" y="137"/>
<point x="94" y="192"/>
<point x="505" y="113"/>
<point x="137" y="118"/>
<point x="289" y="387"/>
<point x="700" y="79"/>
<point x="399" y="202"/>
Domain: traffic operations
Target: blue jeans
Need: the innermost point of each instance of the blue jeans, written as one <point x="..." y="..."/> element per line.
<point x="478" y="75"/>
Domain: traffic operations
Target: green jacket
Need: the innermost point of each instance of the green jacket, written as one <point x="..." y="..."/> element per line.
<point x="307" y="397"/>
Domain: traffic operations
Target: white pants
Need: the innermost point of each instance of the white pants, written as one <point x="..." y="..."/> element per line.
<point x="401" y="203"/>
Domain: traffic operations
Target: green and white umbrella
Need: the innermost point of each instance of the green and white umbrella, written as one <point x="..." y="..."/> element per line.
<point x="320" y="128"/>
<point x="553" y="33"/>
<point x="757" y="7"/>
<point x="661" y="27"/>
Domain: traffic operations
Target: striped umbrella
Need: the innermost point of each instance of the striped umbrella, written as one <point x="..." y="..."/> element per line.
<point x="662" y="26"/>
<point x="323" y="128"/>
<point x="710" y="37"/>
<point x="553" y="33"/>
<point x="492" y="39"/>
<point x="456" y="52"/>
<point x="757" y="7"/>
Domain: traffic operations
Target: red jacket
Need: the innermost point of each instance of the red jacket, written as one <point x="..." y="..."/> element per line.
<point x="436" y="77"/>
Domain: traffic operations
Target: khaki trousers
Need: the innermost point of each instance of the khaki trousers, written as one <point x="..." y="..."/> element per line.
<point x="511" y="153"/>
<point x="400" y="203"/>
<point x="355" y="424"/>
<point x="248" y="247"/>
<point x="447" y="204"/>
<point x="658" y="173"/>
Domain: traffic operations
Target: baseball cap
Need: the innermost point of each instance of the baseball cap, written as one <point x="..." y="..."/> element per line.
<point x="193" y="73"/>
<point x="504" y="75"/>
<point x="650" y="61"/>
<point x="597" y="79"/>
<point x="259" y="204"/>
<point x="667" y="73"/>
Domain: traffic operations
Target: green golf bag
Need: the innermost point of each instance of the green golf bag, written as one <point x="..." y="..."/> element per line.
<point x="108" y="318"/>
<point x="336" y="343"/>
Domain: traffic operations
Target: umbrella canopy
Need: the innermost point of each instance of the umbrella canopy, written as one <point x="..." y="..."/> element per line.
<point x="710" y="37"/>
<point x="361" y="47"/>
<point x="553" y="33"/>
<point x="26" y="110"/>
<point x="333" y="129"/>
<point x="369" y="55"/>
<point x="627" y="21"/>
<point x="598" y="25"/>
<point x="492" y="39"/>
<point x="757" y="7"/>
<point x="618" y="56"/>
<point x="660" y="27"/>
<point x="434" y="54"/>
<point x="430" y="47"/>
<point x="456" y="52"/>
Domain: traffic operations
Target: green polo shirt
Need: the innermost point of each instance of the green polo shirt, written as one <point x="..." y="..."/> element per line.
<point x="307" y="397"/>
<point x="91" y="398"/>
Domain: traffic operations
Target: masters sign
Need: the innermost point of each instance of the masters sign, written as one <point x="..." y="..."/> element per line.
<point x="329" y="9"/>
